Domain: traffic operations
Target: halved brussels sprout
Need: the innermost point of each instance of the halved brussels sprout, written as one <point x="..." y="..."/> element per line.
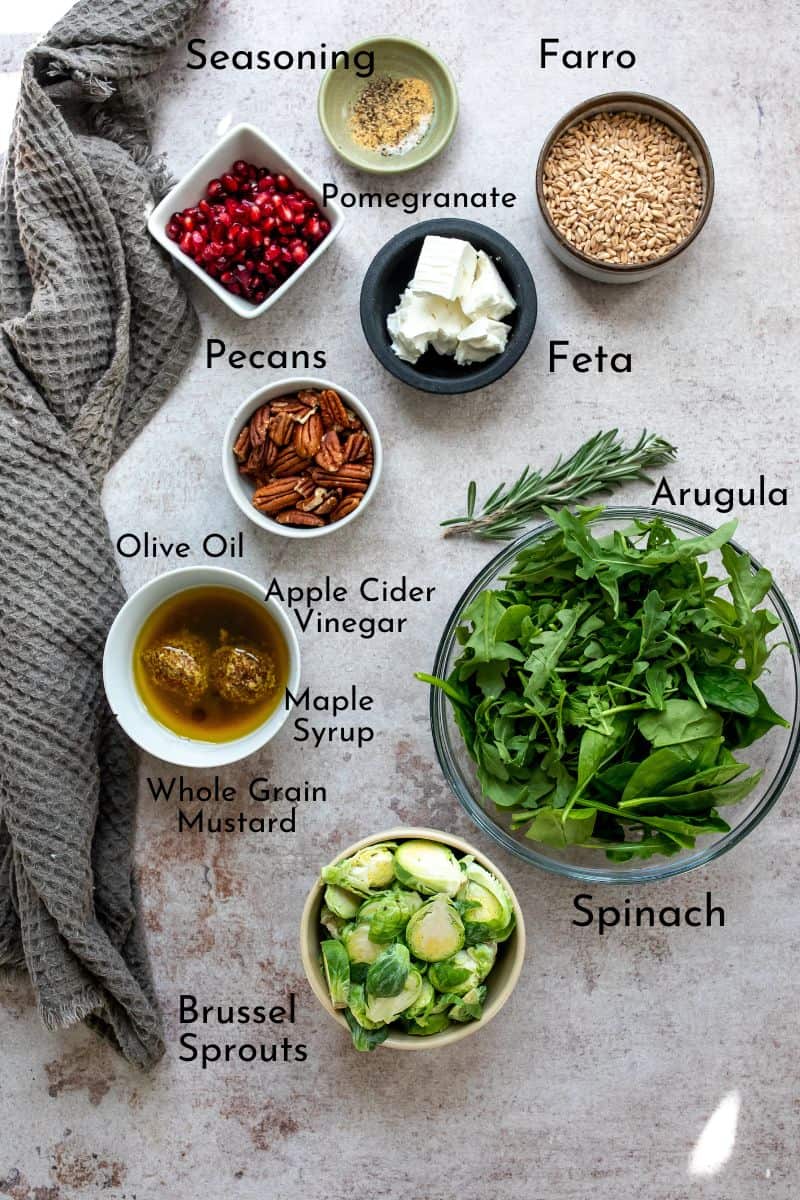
<point x="470" y="1006"/>
<point x="457" y="974"/>
<point x="364" y="872"/>
<point x="358" y="944"/>
<point x="388" y="974"/>
<point x="389" y="1008"/>
<point x="484" y="955"/>
<point x="424" y="1002"/>
<point x="429" y="867"/>
<point x="435" y="931"/>
<point x="388" y="913"/>
<point x="336" y="966"/>
<point x="363" y="1038"/>
<point x="342" y="903"/>
<point x="329" y="921"/>
<point x="357" y="1005"/>
<point x="425" y="1026"/>
<point x="488" y="911"/>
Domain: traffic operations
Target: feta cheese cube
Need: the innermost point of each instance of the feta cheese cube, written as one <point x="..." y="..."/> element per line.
<point x="445" y="267"/>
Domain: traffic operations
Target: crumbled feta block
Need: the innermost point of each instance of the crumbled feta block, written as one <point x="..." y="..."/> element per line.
<point x="481" y="340"/>
<point x="487" y="296"/>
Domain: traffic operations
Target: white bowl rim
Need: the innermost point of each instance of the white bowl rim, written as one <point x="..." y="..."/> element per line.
<point x="157" y="220"/>
<point x="148" y="733"/>
<point x="233" y="479"/>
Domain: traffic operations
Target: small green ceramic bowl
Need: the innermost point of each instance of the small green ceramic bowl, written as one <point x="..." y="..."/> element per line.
<point x="397" y="57"/>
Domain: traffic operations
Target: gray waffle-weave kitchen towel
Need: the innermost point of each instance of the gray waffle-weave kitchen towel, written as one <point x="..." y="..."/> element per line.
<point x="94" y="330"/>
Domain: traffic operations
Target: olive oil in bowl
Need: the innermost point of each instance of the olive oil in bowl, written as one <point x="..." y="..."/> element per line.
<point x="211" y="664"/>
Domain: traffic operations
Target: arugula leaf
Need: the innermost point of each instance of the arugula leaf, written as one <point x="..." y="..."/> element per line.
<point x="550" y="645"/>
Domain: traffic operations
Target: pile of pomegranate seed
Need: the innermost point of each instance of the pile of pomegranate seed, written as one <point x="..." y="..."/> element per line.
<point x="253" y="230"/>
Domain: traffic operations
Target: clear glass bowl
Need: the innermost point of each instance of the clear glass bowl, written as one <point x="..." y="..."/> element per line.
<point x="776" y="753"/>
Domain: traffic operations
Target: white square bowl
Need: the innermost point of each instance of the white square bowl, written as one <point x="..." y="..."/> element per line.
<point x="247" y="142"/>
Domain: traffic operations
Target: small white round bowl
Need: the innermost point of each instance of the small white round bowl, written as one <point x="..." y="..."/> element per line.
<point x="241" y="488"/>
<point x="120" y="684"/>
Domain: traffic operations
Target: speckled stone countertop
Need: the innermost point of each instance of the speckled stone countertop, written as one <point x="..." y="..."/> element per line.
<point x="602" y="1076"/>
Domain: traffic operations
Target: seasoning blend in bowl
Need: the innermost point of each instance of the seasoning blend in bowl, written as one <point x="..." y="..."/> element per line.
<point x="625" y="183"/>
<point x="391" y="116"/>
<point x="399" y="116"/>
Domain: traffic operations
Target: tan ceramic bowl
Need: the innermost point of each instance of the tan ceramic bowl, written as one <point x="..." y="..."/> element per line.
<point x="501" y="982"/>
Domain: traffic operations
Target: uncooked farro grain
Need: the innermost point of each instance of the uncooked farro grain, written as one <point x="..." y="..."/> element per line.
<point x="622" y="187"/>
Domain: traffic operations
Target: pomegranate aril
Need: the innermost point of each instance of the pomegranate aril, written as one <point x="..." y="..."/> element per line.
<point x="240" y="169"/>
<point x="312" y="227"/>
<point x="282" y="183"/>
<point x="255" y="238"/>
<point x="230" y="183"/>
<point x="173" y="231"/>
<point x="299" y="254"/>
<point x="186" y="243"/>
<point x="205" y="208"/>
<point x="215" y="188"/>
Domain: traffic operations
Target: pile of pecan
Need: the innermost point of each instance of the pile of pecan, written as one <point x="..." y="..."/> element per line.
<point x="309" y="456"/>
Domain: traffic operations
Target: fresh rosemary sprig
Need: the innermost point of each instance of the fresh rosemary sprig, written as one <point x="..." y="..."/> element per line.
<point x="599" y="465"/>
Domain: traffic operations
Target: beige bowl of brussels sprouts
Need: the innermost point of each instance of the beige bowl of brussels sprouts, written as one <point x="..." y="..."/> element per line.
<point x="412" y="939"/>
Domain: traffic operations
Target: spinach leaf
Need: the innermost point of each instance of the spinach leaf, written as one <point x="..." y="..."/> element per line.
<point x="765" y="719"/>
<point x="656" y="773"/>
<point x="548" y="827"/>
<point x="729" y="689"/>
<point x="680" y="721"/>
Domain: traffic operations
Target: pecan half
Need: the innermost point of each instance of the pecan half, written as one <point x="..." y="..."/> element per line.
<point x="345" y="506"/>
<point x="269" y="454"/>
<point x="353" y="473"/>
<point x="308" y="436"/>
<point x="334" y="413"/>
<point x="288" y="463"/>
<point x="259" y="425"/>
<point x="290" y="405"/>
<point x="275" y="496"/>
<point x="294" y="517"/>
<point x="281" y="428"/>
<point x="330" y="456"/>
<point x="254" y="460"/>
<point x="357" y="446"/>
<point x="319" y="497"/>
<point x="241" y="447"/>
<point x="326" y="479"/>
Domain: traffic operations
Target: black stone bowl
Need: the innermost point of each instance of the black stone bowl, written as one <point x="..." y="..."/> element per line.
<point x="389" y="275"/>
